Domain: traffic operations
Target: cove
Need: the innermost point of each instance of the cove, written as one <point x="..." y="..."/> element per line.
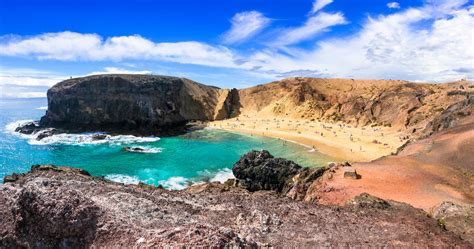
<point x="173" y="162"/>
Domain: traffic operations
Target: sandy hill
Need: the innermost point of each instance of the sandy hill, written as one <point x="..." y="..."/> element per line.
<point x="399" y="104"/>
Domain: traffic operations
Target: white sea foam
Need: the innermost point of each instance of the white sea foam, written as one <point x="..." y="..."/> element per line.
<point x="175" y="183"/>
<point x="123" y="178"/>
<point x="148" y="150"/>
<point x="10" y="128"/>
<point x="42" y="108"/>
<point x="79" y="139"/>
<point x="223" y="175"/>
<point x="88" y="138"/>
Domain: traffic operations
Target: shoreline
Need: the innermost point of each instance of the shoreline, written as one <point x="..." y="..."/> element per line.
<point x="345" y="143"/>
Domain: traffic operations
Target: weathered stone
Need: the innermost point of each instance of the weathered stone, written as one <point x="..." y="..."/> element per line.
<point x="458" y="218"/>
<point x="10" y="178"/>
<point x="350" y="172"/>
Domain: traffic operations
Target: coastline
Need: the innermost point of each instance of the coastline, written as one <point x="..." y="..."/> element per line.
<point x="355" y="144"/>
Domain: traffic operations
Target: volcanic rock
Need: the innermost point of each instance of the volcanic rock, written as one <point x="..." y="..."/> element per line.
<point x="259" y="170"/>
<point x="59" y="207"/>
<point x="128" y="103"/>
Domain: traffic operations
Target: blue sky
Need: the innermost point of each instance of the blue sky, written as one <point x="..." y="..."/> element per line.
<point x="233" y="43"/>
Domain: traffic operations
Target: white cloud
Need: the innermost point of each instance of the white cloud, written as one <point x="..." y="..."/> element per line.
<point x="245" y="25"/>
<point x="313" y="26"/>
<point x="32" y="83"/>
<point x="320" y="4"/>
<point x="391" y="46"/>
<point x="428" y="43"/>
<point x="28" y="77"/>
<point x="393" y="5"/>
<point x="71" y="46"/>
<point x="116" y="70"/>
<point x="19" y="92"/>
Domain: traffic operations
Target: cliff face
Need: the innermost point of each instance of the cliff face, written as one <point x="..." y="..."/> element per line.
<point x="150" y="103"/>
<point x="399" y="104"/>
<point x="128" y="102"/>
<point x="61" y="207"/>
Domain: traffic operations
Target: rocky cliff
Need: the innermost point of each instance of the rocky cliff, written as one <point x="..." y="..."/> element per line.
<point x="138" y="103"/>
<point x="150" y="104"/>
<point x="399" y="104"/>
<point x="62" y="207"/>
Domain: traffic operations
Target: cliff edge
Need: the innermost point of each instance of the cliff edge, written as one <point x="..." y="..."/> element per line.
<point x="128" y="103"/>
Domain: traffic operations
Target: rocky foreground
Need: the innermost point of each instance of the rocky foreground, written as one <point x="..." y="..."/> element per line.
<point x="66" y="207"/>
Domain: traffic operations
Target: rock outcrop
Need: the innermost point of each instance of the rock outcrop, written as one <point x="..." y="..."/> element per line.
<point x="128" y="103"/>
<point x="448" y="118"/>
<point x="458" y="218"/>
<point x="259" y="170"/>
<point x="228" y="106"/>
<point x="61" y="207"/>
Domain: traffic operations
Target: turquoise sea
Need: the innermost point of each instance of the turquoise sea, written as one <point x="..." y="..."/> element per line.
<point x="173" y="162"/>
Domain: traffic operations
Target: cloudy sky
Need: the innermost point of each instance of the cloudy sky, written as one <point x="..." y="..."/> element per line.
<point x="233" y="43"/>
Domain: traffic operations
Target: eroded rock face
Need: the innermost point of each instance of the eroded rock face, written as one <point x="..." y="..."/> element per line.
<point x="121" y="103"/>
<point x="453" y="113"/>
<point x="59" y="207"/>
<point x="400" y="104"/>
<point x="458" y="218"/>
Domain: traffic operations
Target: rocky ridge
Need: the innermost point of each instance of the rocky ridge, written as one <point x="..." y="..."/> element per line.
<point x="51" y="207"/>
<point x="418" y="108"/>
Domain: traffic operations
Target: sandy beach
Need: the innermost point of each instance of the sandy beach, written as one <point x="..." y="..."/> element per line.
<point x="417" y="173"/>
<point x="342" y="141"/>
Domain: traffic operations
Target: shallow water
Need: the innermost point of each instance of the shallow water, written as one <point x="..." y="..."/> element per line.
<point x="173" y="162"/>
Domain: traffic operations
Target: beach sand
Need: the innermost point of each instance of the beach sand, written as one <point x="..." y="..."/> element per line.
<point x="338" y="140"/>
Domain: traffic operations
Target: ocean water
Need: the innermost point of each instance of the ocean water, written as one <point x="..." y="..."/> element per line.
<point x="174" y="162"/>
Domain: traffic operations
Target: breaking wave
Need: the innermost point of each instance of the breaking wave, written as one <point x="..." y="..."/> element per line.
<point x="10" y="128"/>
<point x="179" y="182"/>
<point x="123" y="178"/>
<point x="223" y="175"/>
<point x="90" y="138"/>
<point x="175" y="183"/>
<point x="79" y="139"/>
<point x="42" y="108"/>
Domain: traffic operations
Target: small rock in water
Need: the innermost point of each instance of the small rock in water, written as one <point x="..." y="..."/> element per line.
<point x="99" y="137"/>
<point x="28" y="128"/>
<point x="45" y="133"/>
<point x="133" y="149"/>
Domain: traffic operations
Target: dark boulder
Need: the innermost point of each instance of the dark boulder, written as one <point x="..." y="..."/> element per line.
<point x="28" y="128"/>
<point x="259" y="170"/>
<point x="99" y="137"/>
<point x="45" y="133"/>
